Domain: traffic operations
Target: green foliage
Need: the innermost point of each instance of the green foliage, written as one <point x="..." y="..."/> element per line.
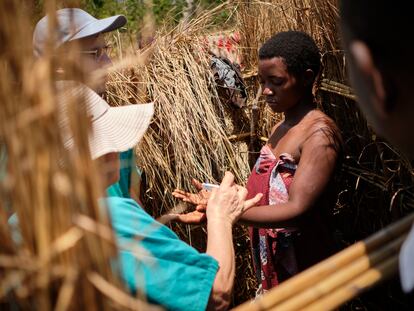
<point x="164" y="11"/>
<point x="134" y="10"/>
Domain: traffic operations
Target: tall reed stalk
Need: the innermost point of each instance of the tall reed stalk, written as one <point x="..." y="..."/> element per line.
<point x="61" y="254"/>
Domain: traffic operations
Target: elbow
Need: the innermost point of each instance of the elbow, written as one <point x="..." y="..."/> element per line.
<point x="298" y="208"/>
<point x="219" y="299"/>
<point x="298" y="212"/>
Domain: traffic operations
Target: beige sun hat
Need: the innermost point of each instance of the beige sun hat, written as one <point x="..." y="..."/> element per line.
<point x="114" y="129"/>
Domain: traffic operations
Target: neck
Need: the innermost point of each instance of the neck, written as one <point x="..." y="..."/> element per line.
<point x="297" y="112"/>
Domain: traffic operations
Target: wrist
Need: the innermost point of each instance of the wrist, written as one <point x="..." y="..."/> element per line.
<point x="221" y="221"/>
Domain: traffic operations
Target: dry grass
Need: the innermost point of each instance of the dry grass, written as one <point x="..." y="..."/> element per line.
<point x="64" y="256"/>
<point x="189" y="134"/>
<point x="374" y="181"/>
<point x="188" y="138"/>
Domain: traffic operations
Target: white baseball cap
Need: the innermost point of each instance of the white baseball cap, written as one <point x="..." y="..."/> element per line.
<point x="73" y="24"/>
<point x="114" y="129"/>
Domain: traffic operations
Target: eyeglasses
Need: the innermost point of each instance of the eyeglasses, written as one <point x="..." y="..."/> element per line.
<point x="99" y="52"/>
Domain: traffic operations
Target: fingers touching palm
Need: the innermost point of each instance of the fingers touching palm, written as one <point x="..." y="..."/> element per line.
<point x="199" y="199"/>
<point x="224" y="197"/>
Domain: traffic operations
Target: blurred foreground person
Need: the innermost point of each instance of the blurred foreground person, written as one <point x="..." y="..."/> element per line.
<point x="382" y="75"/>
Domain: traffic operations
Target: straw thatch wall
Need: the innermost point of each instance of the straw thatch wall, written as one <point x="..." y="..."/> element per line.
<point x="188" y="137"/>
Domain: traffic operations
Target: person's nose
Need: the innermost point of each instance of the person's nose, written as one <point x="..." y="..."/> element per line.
<point x="267" y="91"/>
<point x="105" y="60"/>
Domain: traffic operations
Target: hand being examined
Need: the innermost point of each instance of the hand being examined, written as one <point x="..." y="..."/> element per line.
<point x="200" y="200"/>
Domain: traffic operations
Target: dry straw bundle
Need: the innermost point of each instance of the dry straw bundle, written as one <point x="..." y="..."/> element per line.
<point x="189" y="134"/>
<point x="61" y="252"/>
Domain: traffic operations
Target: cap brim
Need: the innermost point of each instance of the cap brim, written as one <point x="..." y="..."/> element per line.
<point x="101" y="26"/>
<point x="120" y="128"/>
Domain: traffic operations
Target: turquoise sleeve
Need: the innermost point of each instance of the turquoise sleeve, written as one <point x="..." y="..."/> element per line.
<point x="156" y="262"/>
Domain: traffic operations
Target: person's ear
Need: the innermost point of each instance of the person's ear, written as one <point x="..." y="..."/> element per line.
<point x="364" y="61"/>
<point x="308" y="78"/>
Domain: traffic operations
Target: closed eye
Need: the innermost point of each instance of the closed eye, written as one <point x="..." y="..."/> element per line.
<point x="277" y="81"/>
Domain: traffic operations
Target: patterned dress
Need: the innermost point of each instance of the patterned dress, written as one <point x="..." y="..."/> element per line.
<point x="274" y="256"/>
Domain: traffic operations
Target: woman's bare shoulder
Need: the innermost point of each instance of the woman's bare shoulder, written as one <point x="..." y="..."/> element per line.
<point x="317" y="119"/>
<point x="321" y="126"/>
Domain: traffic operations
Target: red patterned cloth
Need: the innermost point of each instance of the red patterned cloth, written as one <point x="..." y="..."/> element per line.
<point x="225" y="46"/>
<point x="273" y="251"/>
<point x="279" y="253"/>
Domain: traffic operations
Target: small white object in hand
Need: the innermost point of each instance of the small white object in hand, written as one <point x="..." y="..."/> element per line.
<point x="209" y="187"/>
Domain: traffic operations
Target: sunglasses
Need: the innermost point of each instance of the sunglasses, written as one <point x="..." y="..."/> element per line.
<point x="99" y="52"/>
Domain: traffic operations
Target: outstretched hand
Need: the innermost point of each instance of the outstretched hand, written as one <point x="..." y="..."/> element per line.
<point x="229" y="195"/>
<point x="229" y="201"/>
<point x="199" y="199"/>
<point x="192" y="218"/>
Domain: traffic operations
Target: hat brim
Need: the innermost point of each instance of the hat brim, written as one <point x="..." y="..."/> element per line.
<point x="101" y="26"/>
<point x="119" y="129"/>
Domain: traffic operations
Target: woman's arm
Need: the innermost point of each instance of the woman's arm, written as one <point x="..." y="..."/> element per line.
<point x="225" y="206"/>
<point x="220" y="247"/>
<point x="317" y="163"/>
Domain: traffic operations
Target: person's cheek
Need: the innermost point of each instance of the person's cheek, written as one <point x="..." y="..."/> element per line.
<point x="105" y="61"/>
<point x="97" y="77"/>
<point x="366" y="99"/>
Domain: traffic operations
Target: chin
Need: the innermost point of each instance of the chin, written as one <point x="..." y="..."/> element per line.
<point x="100" y="90"/>
<point x="276" y="109"/>
<point x="98" y="87"/>
<point x="112" y="178"/>
<point x="273" y="107"/>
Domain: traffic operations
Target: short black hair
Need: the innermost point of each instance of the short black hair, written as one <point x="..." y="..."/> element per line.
<point x="385" y="27"/>
<point x="297" y="48"/>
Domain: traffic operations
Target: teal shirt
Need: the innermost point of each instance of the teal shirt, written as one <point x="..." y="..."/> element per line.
<point x="156" y="262"/>
<point x="121" y="188"/>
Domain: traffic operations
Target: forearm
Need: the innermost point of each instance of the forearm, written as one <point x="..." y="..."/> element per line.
<point x="220" y="246"/>
<point x="280" y="215"/>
